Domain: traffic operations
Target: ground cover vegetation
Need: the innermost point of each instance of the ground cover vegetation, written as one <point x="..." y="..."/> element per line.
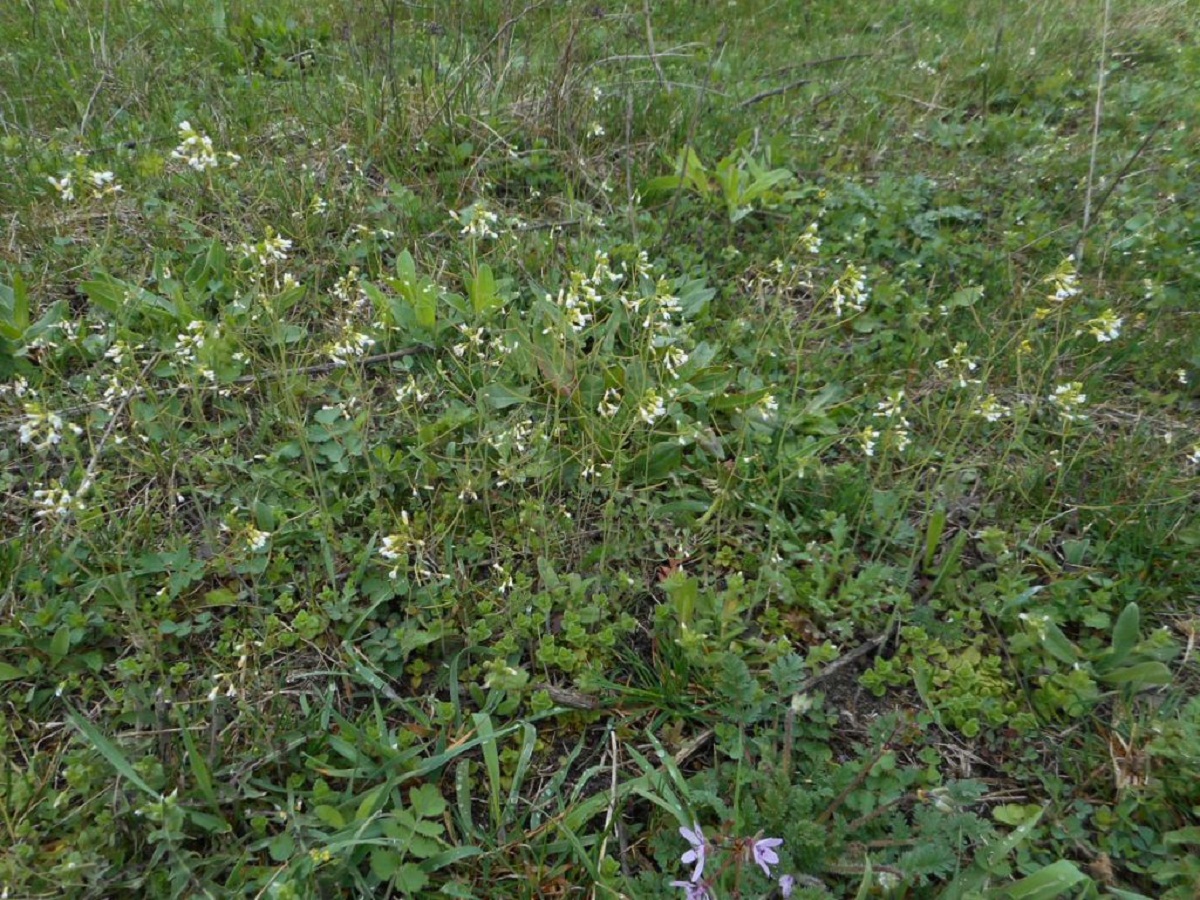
<point x="543" y="449"/>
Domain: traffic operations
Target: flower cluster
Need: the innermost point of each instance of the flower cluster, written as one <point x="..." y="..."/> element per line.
<point x="991" y="409"/>
<point x="43" y="429"/>
<point x="197" y="150"/>
<point x="850" y="291"/>
<point x="1068" y="399"/>
<point x="270" y="249"/>
<point x="59" y="502"/>
<point x="477" y="220"/>
<point x="1063" y="281"/>
<point x="759" y="851"/>
<point x="1105" y="327"/>
<point x="959" y="365"/>
<point x="890" y="410"/>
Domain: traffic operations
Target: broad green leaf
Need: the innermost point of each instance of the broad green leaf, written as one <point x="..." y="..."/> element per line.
<point x="60" y="644"/>
<point x="1125" y="634"/>
<point x="501" y="396"/>
<point x="1140" y="674"/>
<point x="410" y="878"/>
<point x="1046" y="883"/>
<point x="427" y="801"/>
<point x="11" y="673"/>
<point x="330" y="815"/>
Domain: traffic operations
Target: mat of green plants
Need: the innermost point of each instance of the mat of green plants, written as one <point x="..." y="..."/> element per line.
<point x="515" y="449"/>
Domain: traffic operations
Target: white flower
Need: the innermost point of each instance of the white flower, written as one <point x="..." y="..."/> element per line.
<point x="991" y="409"/>
<point x="477" y="220"/>
<point x="43" y="429"/>
<point x="103" y="183"/>
<point x="353" y="345"/>
<point x="868" y="438"/>
<point x="1106" y="326"/>
<point x="610" y="405"/>
<point x="195" y="148"/>
<point x="1063" y="281"/>
<point x="66" y="192"/>
<point x="58" y="501"/>
<point x="850" y="291"/>
<point x="1068" y="398"/>
<point x="256" y="540"/>
<point x="651" y="408"/>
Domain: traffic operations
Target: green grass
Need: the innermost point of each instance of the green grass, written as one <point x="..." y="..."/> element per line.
<point x="527" y="429"/>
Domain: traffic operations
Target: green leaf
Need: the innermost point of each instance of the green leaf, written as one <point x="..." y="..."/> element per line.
<point x="482" y="291"/>
<point x="427" y="801"/>
<point x="60" y="644"/>
<point x="208" y="823"/>
<point x="384" y="863"/>
<point x="11" y="673"/>
<point x="1046" y="883"/>
<point x="330" y="815"/>
<point x="106" y="293"/>
<point x="282" y="846"/>
<point x="410" y="878"/>
<point x="1125" y="634"/>
<point x="108" y="750"/>
<point x="501" y="396"/>
<point x="1140" y="674"/>
<point x="1059" y="645"/>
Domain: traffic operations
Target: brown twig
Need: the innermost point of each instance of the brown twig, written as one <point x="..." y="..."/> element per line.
<point x="662" y="80"/>
<point x="773" y="92"/>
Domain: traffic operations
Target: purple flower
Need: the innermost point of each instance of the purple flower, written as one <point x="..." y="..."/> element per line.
<point x="694" y="891"/>
<point x="787" y="884"/>
<point x="763" y="852"/>
<point x="695" y="837"/>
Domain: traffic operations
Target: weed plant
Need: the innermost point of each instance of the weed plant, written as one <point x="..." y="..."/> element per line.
<point x="496" y="449"/>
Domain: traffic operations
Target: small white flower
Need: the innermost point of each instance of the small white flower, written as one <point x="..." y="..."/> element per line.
<point x="1067" y="399"/>
<point x="66" y="192"/>
<point x="1106" y="326"/>
<point x="256" y="540"/>
<point x="610" y="405"/>
<point x="991" y="409"/>
<point x="868" y="438"/>
<point x="651" y="408"/>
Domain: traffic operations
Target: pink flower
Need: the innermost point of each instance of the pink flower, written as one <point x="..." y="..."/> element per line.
<point x="698" y="853"/>
<point x="763" y="853"/>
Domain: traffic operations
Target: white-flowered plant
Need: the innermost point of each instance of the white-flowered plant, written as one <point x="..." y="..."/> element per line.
<point x="1063" y="282"/>
<point x="42" y="428"/>
<point x="196" y="149"/>
<point x="350" y="346"/>
<point x="850" y="291"/>
<point x="891" y="409"/>
<point x="103" y="184"/>
<point x="1105" y="327"/>
<point x="991" y="409"/>
<point x="1069" y="399"/>
<point x="959" y="365"/>
<point x="64" y="187"/>
<point x="273" y="248"/>
<point x="476" y="221"/>
<point x="652" y="408"/>
<point x="58" y="502"/>
<point x="610" y="404"/>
